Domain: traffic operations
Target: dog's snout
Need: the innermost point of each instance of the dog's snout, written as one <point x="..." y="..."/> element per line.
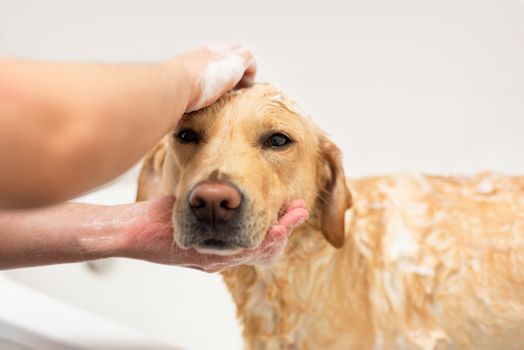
<point x="214" y="202"/>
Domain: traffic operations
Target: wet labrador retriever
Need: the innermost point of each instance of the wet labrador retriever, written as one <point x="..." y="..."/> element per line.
<point x="403" y="262"/>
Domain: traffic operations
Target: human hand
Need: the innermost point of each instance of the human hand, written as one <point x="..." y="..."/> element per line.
<point x="211" y="71"/>
<point x="151" y="239"/>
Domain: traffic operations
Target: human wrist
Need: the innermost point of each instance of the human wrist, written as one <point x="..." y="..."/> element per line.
<point x="147" y="232"/>
<point x="182" y="82"/>
<point x="104" y="234"/>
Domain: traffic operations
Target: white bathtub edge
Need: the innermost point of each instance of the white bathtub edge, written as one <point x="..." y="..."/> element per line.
<point x="42" y="322"/>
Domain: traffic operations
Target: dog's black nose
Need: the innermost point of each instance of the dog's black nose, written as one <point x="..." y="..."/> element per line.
<point x="214" y="202"/>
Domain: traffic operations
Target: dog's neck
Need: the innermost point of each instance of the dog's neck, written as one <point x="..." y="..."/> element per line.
<point x="271" y="299"/>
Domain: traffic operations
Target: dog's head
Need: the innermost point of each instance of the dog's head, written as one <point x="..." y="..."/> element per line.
<point x="235" y="165"/>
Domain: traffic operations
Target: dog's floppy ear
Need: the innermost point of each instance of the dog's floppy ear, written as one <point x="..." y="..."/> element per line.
<point x="334" y="196"/>
<point x="149" y="185"/>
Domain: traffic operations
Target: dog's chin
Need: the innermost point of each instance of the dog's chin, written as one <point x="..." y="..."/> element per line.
<point x="223" y="251"/>
<point x="221" y="247"/>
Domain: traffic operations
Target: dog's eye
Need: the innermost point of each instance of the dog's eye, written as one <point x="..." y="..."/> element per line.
<point x="277" y="140"/>
<point x="188" y="136"/>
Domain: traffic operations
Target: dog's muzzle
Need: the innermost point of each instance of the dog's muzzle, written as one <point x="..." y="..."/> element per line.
<point x="215" y="215"/>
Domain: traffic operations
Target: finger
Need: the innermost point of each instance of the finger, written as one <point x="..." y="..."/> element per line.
<point x="246" y="81"/>
<point x="248" y="78"/>
<point x="293" y="218"/>
<point x="275" y="233"/>
<point x="243" y="52"/>
<point x="250" y="72"/>
<point x="291" y="208"/>
<point x="280" y="231"/>
<point x="286" y="224"/>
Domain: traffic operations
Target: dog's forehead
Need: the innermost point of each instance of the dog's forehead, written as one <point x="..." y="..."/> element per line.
<point x="260" y="106"/>
<point x="259" y="102"/>
<point x="270" y="95"/>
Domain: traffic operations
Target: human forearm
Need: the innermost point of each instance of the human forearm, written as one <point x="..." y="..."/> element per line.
<point x="64" y="233"/>
<point x="77" y="126"/>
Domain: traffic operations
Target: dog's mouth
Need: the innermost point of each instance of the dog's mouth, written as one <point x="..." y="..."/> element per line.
<point x="215" y="244"/>
<point x="217" y="247"/>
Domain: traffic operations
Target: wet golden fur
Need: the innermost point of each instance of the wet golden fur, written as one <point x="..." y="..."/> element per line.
<point x="427" y="263"/>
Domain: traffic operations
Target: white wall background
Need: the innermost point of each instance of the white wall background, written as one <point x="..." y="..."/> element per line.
<point x="436" y="86"/>
<point x="406" y="85"/>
